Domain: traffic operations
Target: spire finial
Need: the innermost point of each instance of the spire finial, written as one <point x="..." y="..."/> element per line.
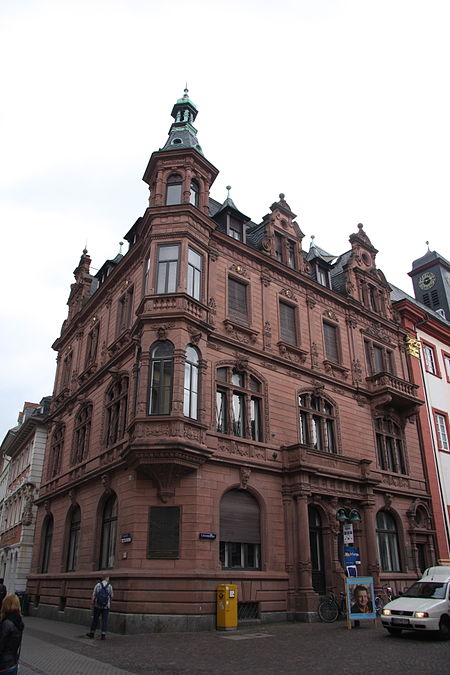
<point x="228" y="187"/>
<point x="186" y="92"/>
<point x="428" y="244"/>
<point x="120" y="250"/>
<point x="313" y="236"/>
<point x="360" y="226"/>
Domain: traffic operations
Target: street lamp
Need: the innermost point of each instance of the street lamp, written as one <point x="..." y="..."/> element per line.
<point x="344" y="515"/>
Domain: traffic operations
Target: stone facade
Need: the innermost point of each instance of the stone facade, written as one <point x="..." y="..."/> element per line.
<point x="220" y="394"/>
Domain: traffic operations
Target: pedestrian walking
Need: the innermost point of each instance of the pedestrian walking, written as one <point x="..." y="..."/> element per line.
<point x="101" y="603"/>
<point x="11" y="628"/>
<point x="3" y="591"/>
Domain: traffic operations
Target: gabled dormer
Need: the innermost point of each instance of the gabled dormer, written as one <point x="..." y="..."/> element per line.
<point x="363" y="281"/>
<point x="320" y="264"/>
<point x="179" y="173"/>
<point x="280" y="237"/>
<point x="230" y="220"/>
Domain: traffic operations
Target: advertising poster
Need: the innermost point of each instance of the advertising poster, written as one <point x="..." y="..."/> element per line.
<point x="360" y="598"/>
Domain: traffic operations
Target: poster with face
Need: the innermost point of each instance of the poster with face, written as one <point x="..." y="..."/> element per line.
<point x="360" y="598"/>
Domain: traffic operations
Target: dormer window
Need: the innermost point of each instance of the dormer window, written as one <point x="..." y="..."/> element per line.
<point x="174" y="189"/>
<point x="322" y="276"/>
<point x="194" y="193"/>
<point x="278" y="247"/>
<point x="285" y="250"/>
<point x="235" y="229"/>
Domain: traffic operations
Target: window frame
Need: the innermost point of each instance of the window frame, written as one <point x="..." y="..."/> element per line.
<point x="234" y="312"/>
<point x="116" y="410"/>
<point x="389" y="553"/>
<point x="175" y="180"/>
<point x="243" y="543"/>
<point x="390" y="445"/>
<point x="108" y="533"/>
<point x="73" y="542"/>
<point x="289" y="334"/>
<point x="164" y="272"/>
<point x="191" y="393"/>
<point x="431" y="365"/>
<point x="337" y="348"/>
<point x="442" y="438"/>
<point x="446" y="362"/>
<point x="82" y="433"/>
<point x="316" y="426"/>
<point x="194" y="279"/>
<point x="163" y="405"/>
<point x="245" y="398"/>
<point x="387" y="355"/>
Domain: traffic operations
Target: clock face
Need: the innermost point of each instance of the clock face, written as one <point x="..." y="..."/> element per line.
<point x="426" y="280"/>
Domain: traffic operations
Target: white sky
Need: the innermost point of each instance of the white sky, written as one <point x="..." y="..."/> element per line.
<point x="342" y="105"/>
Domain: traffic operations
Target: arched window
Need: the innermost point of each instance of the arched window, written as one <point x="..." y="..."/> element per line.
<point x="174" y="189"/>
<point x="240" y="538"/>
<point x="161" y="372"/>
<point x="81" y="434"/>
<point x="390" y="448"/>
<point x="74" y="539"/>
<point x="388" y="542"/>
<point x="109" y="530"/>
<point x="116" y="410"/>
<point x="56" y="451"/>
<point x="317" y="422"/>
<point x="194" y="193"/>
<point x="239" y="404"/>
<point x="191" y="383"/>
<point x="47" y="536"/>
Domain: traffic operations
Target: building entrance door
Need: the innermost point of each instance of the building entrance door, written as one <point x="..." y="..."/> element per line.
<point x="316" y="545"/>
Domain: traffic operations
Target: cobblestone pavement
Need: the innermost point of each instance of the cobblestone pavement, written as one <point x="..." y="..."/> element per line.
<point x="58" y="648"/>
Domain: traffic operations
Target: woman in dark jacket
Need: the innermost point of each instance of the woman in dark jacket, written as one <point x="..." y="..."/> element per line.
<point x="11" y="628"/>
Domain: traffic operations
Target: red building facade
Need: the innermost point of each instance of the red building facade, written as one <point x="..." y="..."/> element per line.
<point x="222" y="398"/>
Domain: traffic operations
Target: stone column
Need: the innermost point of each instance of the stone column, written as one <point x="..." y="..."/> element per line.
<point x="372" y="563"/>
<point x="306" y="604"/>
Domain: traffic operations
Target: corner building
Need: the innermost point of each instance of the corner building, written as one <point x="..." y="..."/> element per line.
<point x="221" y="398"/>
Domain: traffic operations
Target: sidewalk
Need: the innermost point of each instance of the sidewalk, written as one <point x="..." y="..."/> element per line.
<point x="59" y="648"/>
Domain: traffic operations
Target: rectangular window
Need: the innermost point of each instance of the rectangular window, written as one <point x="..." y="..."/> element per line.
<point x="124" y="311"/>
<point x="235" y="229"/>
<point x="331" y="339"/>
<point x="167" y="269"/>
<point x="441" y="421"/>
<point x="446" y="358"/>
<point x="322" y="276"/>
<point x="429" y="355"/>
<point x="278" y="247"/>
<point x="288" y="328"/>
<point x="237" y="299"/>
<point x="194" y="276"/>
<point x="291" y="254"/>
<point x="221" y="411"/>
<point x="379" y="359"/>
<point x="164" y="532"/>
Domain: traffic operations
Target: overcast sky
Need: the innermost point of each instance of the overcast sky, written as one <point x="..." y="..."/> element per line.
<point x="342" y="105"/>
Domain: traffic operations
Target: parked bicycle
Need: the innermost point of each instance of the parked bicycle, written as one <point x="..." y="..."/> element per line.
<point x="331" y="608"/>
<point x="380" y="602"/>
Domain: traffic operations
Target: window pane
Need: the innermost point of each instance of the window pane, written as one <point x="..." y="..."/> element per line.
<point x="330" y="333"/>
<point x="255" y="413"/>
<point x="221" y="412"/>
<point x="237" y="299"/>
<point x="442" y="431"/>
<point x="287" y="323"/>
<point x="238" y="414"/>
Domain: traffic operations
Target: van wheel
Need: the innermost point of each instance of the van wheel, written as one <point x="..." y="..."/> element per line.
<point x="394" y="631"/>
<point x="444" y="628"/>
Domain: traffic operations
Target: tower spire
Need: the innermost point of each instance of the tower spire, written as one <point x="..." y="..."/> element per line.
<point x="182" y="133"/>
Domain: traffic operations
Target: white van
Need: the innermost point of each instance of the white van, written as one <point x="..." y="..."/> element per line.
<point x="424" y="606"/>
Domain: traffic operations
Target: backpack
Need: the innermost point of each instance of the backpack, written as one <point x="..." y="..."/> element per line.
<point x="102" y="595"/>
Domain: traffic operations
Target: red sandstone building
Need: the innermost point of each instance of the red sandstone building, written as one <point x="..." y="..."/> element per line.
<point x="224" y="400"/>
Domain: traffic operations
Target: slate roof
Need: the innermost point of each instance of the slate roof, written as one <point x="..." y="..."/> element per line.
<point x="397" y="294"/>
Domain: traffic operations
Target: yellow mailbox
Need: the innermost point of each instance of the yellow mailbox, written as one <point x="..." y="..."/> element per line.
<point x="226" y="607"/>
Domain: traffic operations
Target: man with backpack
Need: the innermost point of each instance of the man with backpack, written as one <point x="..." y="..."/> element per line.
<point x="101" y="602"/>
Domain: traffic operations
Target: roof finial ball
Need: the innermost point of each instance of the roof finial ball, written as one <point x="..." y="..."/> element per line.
<point x="428" y="244"/>
<point x="360" y="226"/>
<point x="281" y="195"/>
<point x="228" y="187"/>
<point x="186" y="92"/>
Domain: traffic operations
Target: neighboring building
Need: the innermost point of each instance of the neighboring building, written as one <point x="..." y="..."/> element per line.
<point x="427" y="325"/>
<point x="224" y="403"/>
<point x="22" y="454"/>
